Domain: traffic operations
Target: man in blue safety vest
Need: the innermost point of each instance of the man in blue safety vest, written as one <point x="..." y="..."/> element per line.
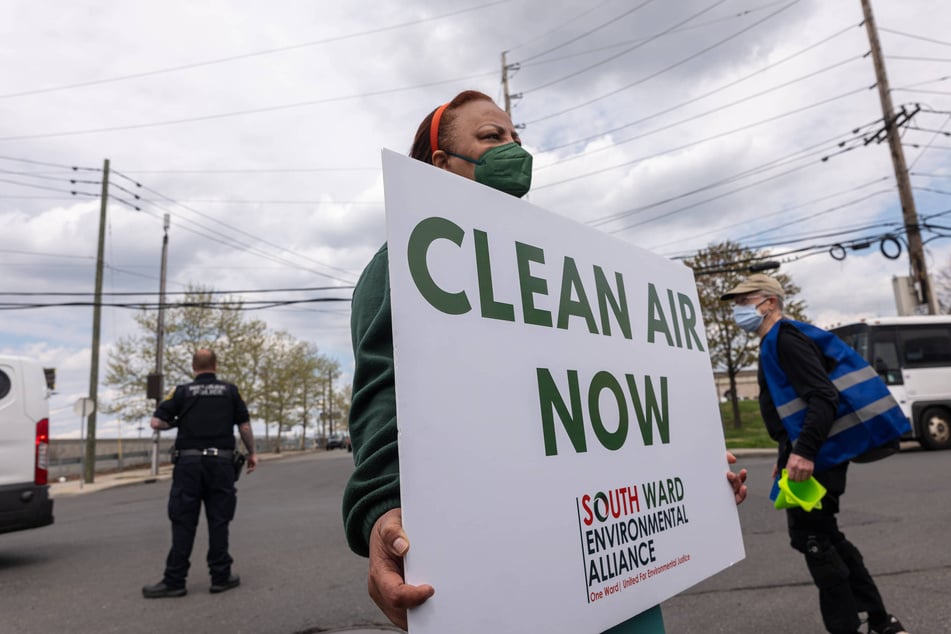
<point x="824" y="405"/>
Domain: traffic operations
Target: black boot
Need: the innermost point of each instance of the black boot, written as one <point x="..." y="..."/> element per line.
<point x="162" y="590"/>
<point x="233" y="581"/>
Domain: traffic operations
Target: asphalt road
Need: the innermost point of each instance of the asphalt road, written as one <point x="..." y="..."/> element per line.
<point x="897" y="511"/>
<point x="84" y="573"/>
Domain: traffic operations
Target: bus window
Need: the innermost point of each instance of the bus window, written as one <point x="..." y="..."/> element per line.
<point x="856" y="337"/>
<point x="860" y="343"/>
<point x="885" y="357"/>
<point x="927" y="347"/>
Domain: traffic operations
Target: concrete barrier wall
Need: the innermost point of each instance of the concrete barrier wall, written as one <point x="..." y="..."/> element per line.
<point x="112" y="454"/>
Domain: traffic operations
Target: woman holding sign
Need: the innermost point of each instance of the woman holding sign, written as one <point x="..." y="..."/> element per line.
<point x="472" y="137"/>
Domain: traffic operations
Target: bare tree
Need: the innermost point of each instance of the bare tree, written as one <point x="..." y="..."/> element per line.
<point x="718" y="268"/>
<point x="266" y="366"/>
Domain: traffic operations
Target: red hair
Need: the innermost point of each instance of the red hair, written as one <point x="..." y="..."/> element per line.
<point x="437" y="126"/>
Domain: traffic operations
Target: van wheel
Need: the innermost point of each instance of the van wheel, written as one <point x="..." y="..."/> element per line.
<point x="934" y="428"/>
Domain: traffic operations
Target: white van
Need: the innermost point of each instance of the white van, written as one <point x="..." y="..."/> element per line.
<point x="24" y="444"/>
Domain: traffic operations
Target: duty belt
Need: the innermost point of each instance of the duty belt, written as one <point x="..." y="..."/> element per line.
<point x="220" y="453"/>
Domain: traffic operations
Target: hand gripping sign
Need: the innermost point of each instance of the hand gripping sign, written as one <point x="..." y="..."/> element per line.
<point x="562" y="460"/>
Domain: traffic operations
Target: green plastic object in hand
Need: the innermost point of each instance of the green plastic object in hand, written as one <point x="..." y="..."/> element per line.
<point x="806" y="495"/>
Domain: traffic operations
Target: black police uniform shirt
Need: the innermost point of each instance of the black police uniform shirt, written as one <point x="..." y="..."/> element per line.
<point x="205" y="412"/>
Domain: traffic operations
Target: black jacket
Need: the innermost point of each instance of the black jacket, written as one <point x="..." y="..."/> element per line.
<point x="808" y="372"/>
<point x="205" y="412"/>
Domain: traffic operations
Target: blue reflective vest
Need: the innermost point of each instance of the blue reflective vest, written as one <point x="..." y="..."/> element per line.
<point x="868" y="415"/>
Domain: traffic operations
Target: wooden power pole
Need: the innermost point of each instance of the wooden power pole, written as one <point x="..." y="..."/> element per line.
<point x="916" y="252"/>
<point x="89" y="463"/>
<point x="505" y="86"/>
<point x="160" y="343"/>
<point x="508" y="97"/>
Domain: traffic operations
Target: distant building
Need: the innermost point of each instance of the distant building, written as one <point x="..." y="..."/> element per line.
<point x="746" y="385"/>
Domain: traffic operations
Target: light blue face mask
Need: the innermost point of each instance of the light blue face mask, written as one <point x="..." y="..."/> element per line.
<point x="748" y="317"/>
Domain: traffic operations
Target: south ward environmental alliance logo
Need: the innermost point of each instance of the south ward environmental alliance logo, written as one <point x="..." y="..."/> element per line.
<point x="617" y="534"/>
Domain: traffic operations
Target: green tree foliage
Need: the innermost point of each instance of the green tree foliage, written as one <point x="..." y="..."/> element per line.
<point x="280" y="378"/>
<point x="718" y="268"/>
<point x="332" y="403"/>
<point x="288" y="373"/>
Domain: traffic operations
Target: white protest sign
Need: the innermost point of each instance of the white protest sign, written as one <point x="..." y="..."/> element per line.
<point x="562" y="462"/>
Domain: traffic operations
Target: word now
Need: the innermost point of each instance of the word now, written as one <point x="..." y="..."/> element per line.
<point x="650" y="411"/>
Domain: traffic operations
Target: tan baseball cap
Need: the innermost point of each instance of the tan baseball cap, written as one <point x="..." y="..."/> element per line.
<point x="756" y="282"/>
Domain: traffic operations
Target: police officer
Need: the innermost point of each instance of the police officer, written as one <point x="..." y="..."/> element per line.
<point x="205" y="412"/>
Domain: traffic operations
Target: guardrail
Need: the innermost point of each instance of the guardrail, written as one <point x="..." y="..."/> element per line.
<point x="66" y="455"/>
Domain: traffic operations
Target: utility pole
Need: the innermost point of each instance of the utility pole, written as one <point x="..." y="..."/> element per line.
<point x="89" y="466"/>
<point x="330" y="399"/>
<point x="160" y="342"/>
<point x="916" y="254"/>
<point x="508" y="97"/>
<point x="505" y="86"/>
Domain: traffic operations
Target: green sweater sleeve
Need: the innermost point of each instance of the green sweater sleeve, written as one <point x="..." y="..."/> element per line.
<point x="374" y="485"/>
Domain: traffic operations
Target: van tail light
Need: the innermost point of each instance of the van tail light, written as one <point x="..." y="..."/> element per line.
<point x="42" y="452"/>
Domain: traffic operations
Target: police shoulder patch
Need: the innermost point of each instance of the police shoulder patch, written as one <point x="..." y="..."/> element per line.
<point x="171" y="394"/>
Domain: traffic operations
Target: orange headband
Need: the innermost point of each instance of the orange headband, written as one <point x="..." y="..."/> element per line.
<point x="434" y="126"/>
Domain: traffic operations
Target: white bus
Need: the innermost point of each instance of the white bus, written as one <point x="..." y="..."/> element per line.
<point x="913" y="357"/>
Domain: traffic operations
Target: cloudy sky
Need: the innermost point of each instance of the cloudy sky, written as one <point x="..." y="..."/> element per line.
<point x="258" y="128"/>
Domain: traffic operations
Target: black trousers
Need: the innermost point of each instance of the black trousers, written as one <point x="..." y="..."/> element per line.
<point x="845" y="585"/>
<point x="197" y="480"/>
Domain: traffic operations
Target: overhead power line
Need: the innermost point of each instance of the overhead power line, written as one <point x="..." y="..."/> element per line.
<point x="788" y="222"/>
<point x="703" y="140"/>
<point x="52" y="189"/>
<point x="252" y="236"/>
<point x="289" y="170"/>
<point x="932" y="190"/>
<point x="237" y="305"/>
<point x="668" y="214"/>
<point x="231" y="201"/>
<point x="784" y="211"/>
<point x="47" y="254"/>
<point x="709" y="93"/>
<point x="805" y="153"/>
<point x="706" y="113"/>
<point x="58" y="179"/>
<point x="931" y="147"/>
<point x="913" y="36"/>
<point x="572" y="20"/>
<point x="624" y="52"/>
<point x="861" y="241"/>
<point x="47" y="164"/>
<point x="930" y="130"/>
<point x="924" y="92"/>
<point x="666" y="68"/>
<point x="269" y="51"/>
<point x="924" y="83"/>
<point x="238" y="113"/>
<point x="691" y="27"/>
<point x="243" y="291"/>
<point x="609" y="22"/>
<point x="918" y="59"/>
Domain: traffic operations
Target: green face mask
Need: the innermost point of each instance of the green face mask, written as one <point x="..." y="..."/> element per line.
<point x="507" y="168"/>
